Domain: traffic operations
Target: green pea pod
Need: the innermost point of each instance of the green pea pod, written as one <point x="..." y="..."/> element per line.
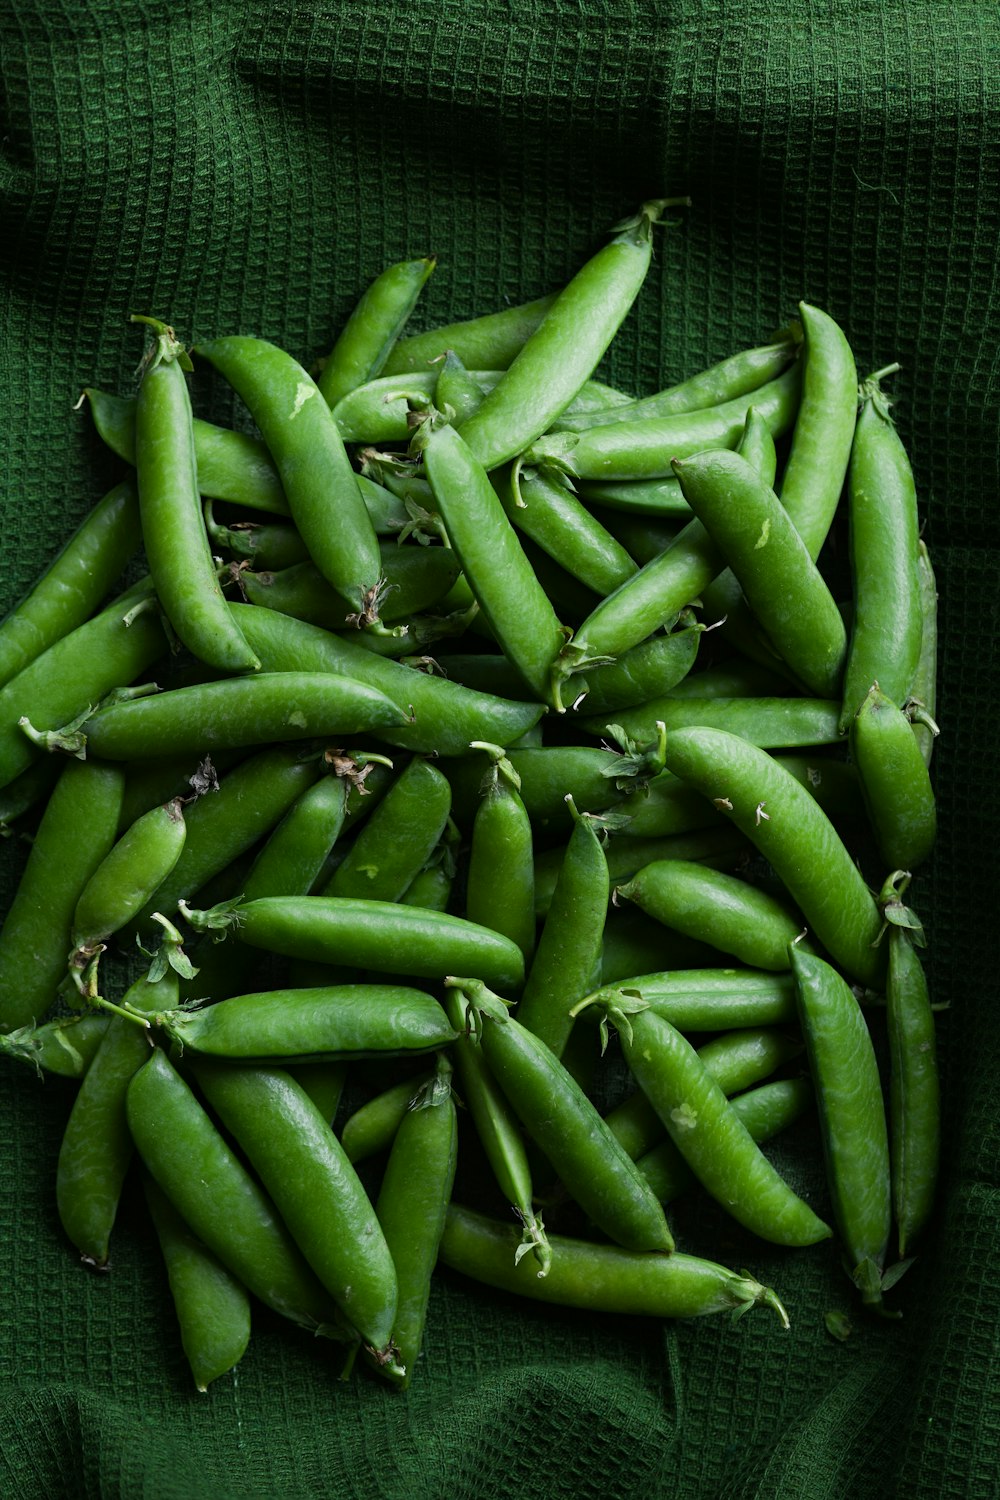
<point x="64" y="1048"/>
<point x="788" y="827"/>
<point x="173" y="527"/>
<point x="302" y="1165"/>
<point x="212" y="1306"/>
<point x="851" y="1113"/>
<point x="382" y="411"/>
<point x="485" y="343"/>
<point x="922" y="703"/>
<point x="639" y="676"/>
<point x="895" y="782"/>
<point x="76" y="831"/>
<point x="596" y="779"/>
<point x="565" y="348"/>
<point x="765" y="1111"/>
<point x="779" y="579"/>
<point x="824" y="428"/>
<point x="368" y="336"/>
<point x="711" y="1137"/>
<point x="26" y="790"/>
<point x="216" y="1196"/>
<point x="324" y="1084"/>
<point x="234" y="713"/>
<point x="331" y="1022"/>
<point x="96" y="1147"/>
<point x="559" y="1117"/>
<point x="416" y="578"/>
<point x="500" y="880"/>
<point x="397" y="839"/>
<point x="457" y="393"/>
<point x="600" y="1278"/>
<point x="549" y="513"/>
<point x="715" y="999"/>
<point x="884" y="538"/>
<point x="722" y="848"/>
<point x="298" y="428"/>
<point x="772" y="723"/>
<point x="636" y="498"/>
<point x="372" y="1127"/>
<point x="411" y="1208"/>
<point x="715" y="907"/>
<point x="74" y="583"/>
<point x="569" y="947"/>
<point x="129" y="875"/>
<point x="493" y="561"/>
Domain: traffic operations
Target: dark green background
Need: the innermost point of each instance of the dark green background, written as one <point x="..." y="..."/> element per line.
<point x="249" y="166"/>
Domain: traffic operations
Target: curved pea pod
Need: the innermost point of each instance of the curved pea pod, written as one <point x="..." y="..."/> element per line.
<point x="851" y="1115"/>
<point x="317" y="1192"/>
<point x="74" y="583"/>
<point x="786" y="824"/>
<point x="444" y="715"/>
<point x="372" y="1127"/>
<point x="550" y="514"/>
<point x="887" y="621"/>
<point x="411" y="1207"/>
<point x="235" y="712"/>
<point x="722" y="848"/>
<point x="457" y="393"/>
<point x="895" y="782"/>
<point x="382" y="411"/>
<point x="639" y="676"/>
<point x="367" y="338"/>
<point x="716" y="908"/>
<point x="771" y="723"/>
<point x="96" y="1147"/>
<point x="129" y="875"/>
<point x="415" y="578"/>
<point x="500" y="882"/>
<point x="824" y="428"/>
<point x="302" y="437"/>
<point x="710" y="1136"/>
<point x="715" y="999"/>
<point x="559" y="1117"/>
<point x="76" y="831"/>
<point x="219" y="1200"/>
<point x="331" y="1022"/>
<point x="212" y="1306"/>
<point x="383" y="935"/>
<point x="600" y="1278"/>
<point x="922" y="703"/>
<point x="489" y="342"/>
<point x="64" y="1048"/>
<point x="398" y="838"/>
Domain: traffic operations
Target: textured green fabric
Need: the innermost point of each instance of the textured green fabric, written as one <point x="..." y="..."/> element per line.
<point x="249" y="165"/>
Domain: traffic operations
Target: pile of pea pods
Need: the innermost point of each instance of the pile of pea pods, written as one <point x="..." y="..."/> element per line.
<point x="469" y="714"/>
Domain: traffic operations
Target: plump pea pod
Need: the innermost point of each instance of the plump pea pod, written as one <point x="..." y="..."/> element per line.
<point x="493" y="561"/>
<point x="772" y="723"/>
<point x="500" y="883"/>
<point x="107" y="652"/>
<point x="851" y="1115"/>
<point x="367" y="338"/>
<point x="637" y="676"/>
<point x="382" y="935"/>
<point x="129" y="875"/>
<point x="788" y="827"/>
<point x="736" y="1060"/>
<point x="499" y="1132"/>
<point x="262" y="548"/>
<point x="76" y="831"/>
<point x="780" y="581"/>
<point x="398" y="838"/>
<point x="714" y="999"/>
<point x="416" y="578"/>
<point x="372" y="1127"/>
<point x="914" y="1094"/>
<point x="96" y="1146"/>
<point x="212" y="1306"/>
<point x="561" y="1120"/>
<point x="765" y="1112"/>
<point x="233" y="713"/>
<point x="74" y="583"/>
<point x="457" y="393"/>
<point x="302" y="1165"/>
<point x="485" y="343"/>
<point x="922" y="703"/>
<point x="567" y="345"/>
<point x="894" y="780"/>
<point x="710" y="1136"/>
<point x="600" y="1278"/>
<point x="722" y="848"/>
<point x="173" y="527"/>
<point x="716" y="908"/>
<point x="332" y="1022"/>
<point x="569" y="947"/>
<point x="445" y="715"/>
<point x="739" y="375"/>
<point x="549" y="513"/>
<point x="824" y="427"/>
<point x="218" y="1199"/>
<point x="646" y="449"/>
<point x="231" y="465"/>
<point x="324" y="1084"/>
<point x="382" y="412"/>
<point x="887" y="622"/>
<point x="320" y="486"/>
<point x="411" y="1208"/>
<point x="65" y="1047"/>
